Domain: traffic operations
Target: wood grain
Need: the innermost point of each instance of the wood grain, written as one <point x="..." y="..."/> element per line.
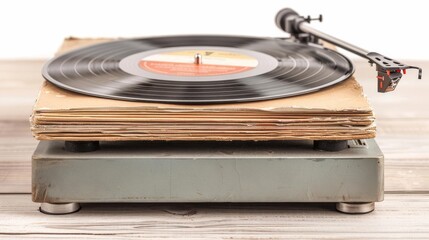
<point x="405" y="147"/>
<point x="399" y="217"/>
<point x="407" y="167"/>
<point x="20" y="82"/>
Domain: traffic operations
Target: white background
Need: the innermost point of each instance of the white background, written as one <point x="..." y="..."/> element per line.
<point x="35" y="28"/>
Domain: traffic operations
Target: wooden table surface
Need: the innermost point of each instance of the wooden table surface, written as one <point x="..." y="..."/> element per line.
<point x="403" y="135"/>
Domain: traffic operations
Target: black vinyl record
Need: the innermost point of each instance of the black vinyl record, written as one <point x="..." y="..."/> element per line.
<point x="198" y="69"/>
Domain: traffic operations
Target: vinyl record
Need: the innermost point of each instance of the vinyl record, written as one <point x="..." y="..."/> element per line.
<point x="198" y="69"/>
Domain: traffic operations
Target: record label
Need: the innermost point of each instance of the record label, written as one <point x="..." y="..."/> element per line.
<point x="182" y="63"/>
<point x="217" y="63"/>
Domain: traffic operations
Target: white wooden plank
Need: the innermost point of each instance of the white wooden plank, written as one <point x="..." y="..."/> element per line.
<point x="398" y="217"/>
<point x="16" y="148"/>
<point x="20" y="82"/>
<point x="404" y="143"/>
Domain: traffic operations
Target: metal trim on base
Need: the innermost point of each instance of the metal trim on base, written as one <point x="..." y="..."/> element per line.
<point x="355" y="208"/>
<point x="59" y="208"/>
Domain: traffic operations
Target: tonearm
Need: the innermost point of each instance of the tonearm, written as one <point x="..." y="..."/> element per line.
<point x="389" y="70"/>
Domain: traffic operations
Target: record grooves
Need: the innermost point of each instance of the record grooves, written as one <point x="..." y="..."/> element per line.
<point x="233" y="69"/>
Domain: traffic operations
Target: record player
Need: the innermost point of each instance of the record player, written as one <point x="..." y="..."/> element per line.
<point x="194" y="129"/>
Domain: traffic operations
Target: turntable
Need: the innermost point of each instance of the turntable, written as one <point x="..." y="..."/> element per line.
<point x="209" y="119"/>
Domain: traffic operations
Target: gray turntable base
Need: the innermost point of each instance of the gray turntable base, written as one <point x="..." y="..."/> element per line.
<point x="273" y="171"/>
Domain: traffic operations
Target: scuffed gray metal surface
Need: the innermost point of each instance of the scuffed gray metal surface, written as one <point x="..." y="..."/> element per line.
<point x="207" y="172"/>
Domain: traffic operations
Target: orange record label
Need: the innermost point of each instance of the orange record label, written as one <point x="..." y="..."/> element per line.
<point x="182" y="63"/>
